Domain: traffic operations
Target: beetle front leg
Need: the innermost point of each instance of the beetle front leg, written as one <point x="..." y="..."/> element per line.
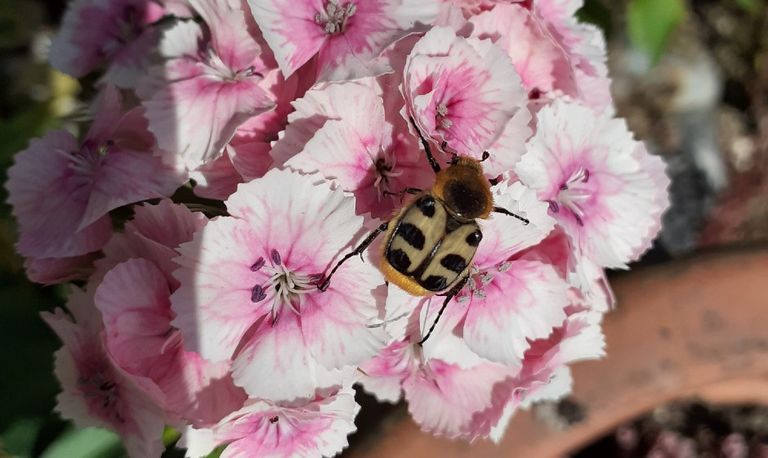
<point x="504" y="211"/>
<point x="451" y="294"/>
<point x="357" y="251"/>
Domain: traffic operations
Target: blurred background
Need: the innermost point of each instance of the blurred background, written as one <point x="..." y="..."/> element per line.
<point x="691" y="77"/>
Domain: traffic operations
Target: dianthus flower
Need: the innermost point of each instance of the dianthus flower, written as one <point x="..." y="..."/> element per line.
<point x="248" y="288"/>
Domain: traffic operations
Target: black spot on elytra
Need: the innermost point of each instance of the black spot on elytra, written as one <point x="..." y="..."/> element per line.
<point x="399" y="260"/>
<point x="474" y="238"/>
<point x="435" y="283"/>
<point x="454" y="263"/>
<point x="464" y="198"/>
<point x="412" y="235"/>
<point x="427" y="206"/>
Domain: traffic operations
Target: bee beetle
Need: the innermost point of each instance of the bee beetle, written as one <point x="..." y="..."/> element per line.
<point x="429" y="245"/>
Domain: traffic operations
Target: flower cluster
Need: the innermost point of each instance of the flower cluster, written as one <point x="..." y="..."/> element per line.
<point x="254" y="144"/>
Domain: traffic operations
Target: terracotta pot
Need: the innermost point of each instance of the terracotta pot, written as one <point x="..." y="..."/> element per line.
<point x="697" y="327"/>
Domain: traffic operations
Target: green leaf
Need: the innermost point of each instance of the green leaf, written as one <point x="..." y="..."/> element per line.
<point x="753" y="6"/>
<point x="651" y="23"/>
<point x="19" y="438"/>
<point x="216" y="453"/>
<point x="170" y="436"/>
<point x="85" y="443"/>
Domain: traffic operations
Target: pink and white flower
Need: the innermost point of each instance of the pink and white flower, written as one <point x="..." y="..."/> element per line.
<point x="217" y="179"/>
<point x="50" y="271"/>
<point x="321" y="103"/>
<point x="210" y="83"/>
<point x="316" y="428"/>
<point x="119" y="34"/>
<point x="134" y="299"/>
<point x="604" y="189"/>
<point x="248" y="288"/>
<point x="95" y="390"/>
<point x="580" y="272"/>
<point x="365" y="154"/>
<point x="466" y="93"/>
<point x="343" y="35"/>
<point x="62" y="190"/>
<point x="541" y="62"/>
<point x="475" y="7"/>
<point x="585" y="47"/>
<point x="450" y="392"/>
<point x="153" y="234"/>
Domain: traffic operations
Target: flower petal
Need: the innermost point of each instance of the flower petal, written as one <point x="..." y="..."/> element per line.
<point x="524" y="302"/>
<point x="279" y="352"/>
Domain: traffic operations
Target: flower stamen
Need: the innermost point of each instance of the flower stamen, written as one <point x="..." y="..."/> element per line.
<point x="288" y="288"/>
<point x="573" y="195"/>
<point x="334" y="18"/>
<point x="441" y="116"/>
<point x="384" y="171"/>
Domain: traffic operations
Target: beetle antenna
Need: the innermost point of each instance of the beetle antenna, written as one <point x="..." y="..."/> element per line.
<point x="504" y="211"/>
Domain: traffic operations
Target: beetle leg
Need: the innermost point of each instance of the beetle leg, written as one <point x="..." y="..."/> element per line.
<point x="504" y="211"/>
<point x="451" y="294"/>
<point x="425" y="144"/>
<point x="496" y="180"/>
<point x="403" y="192"/>
<point x="358" y="250"/>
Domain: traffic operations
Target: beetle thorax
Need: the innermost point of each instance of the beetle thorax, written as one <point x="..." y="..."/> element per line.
<point x="465" y="190"/>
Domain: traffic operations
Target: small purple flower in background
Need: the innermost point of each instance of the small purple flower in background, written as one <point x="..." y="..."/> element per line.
<point x="299" y="122"/>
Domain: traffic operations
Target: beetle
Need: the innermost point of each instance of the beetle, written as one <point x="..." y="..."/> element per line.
<point x="429" y="245"/>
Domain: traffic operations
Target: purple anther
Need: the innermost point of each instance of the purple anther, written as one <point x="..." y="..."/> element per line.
<point x="564" y="187"/>
<point x="553" y="206"/>
<point x="578" y="219"/>
<point x="256" y="266"/>
<point x="257" y="294"/>
<point x="586" y="176"/>
<point x="275" y="257"/>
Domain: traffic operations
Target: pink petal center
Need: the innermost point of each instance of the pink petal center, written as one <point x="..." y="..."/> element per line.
<point x="86" y="162"/>
<point x="130" y="24"/>
<point x="335" y="16"/>
<point x="97" y="385"/>
<point x="220" y="70"/>
<point x="385" y="171"/>
<point x="286" y="287"/>
<point x="574" y="194"/>
<point x="479" y="279"/>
